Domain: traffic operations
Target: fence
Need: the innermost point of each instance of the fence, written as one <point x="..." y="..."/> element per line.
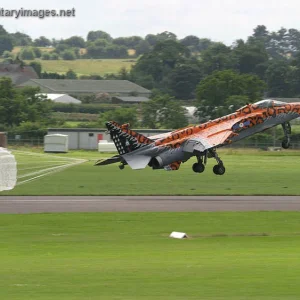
<point x="36" y="142"/>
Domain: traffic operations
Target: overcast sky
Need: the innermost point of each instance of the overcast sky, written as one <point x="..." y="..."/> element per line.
<point x="219" y="20"/>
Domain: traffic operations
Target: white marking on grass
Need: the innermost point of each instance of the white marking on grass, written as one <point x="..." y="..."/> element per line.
<point x="59" y="163"/>
<point x="49" y="171"/>
<point x="37" y="167"/>
<point x="43" y="170"/>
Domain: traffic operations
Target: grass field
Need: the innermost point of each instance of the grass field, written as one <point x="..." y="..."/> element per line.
<point x="247" y="173"/>
<point x="253" y="255"/>
<point x="86" y="66"/>
<point x="18" y="49"/>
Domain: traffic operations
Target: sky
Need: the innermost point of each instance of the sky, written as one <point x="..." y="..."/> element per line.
<point x="223" y="21"/>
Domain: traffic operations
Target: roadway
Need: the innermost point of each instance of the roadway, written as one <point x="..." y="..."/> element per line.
<point x="41" y="204"/>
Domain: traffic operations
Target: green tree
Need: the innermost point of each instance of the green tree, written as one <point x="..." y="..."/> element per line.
<point x="54" y="56"/>
<point x="71" y="75"/>
<point x="121" y="41"/>
<point x="213" y="91"/>
<point x="21" y="39"/>
<point x="151" y="39"/>
<point x="42" y="41"/>
<point x="217" y="58"/>
<point x="6" y="43"/>
<point x="27" y="53"/>
<point x="98" y="34"/>
<point x="114" y="51"/>
<point x="2" y="30"/>
<point x="183" y="80"/>
<point x="251" y="57"/>
<point x="120" y="115"/>
<point x="204" y="44"/>
<point x="101" y="42"/>
<point x="7" y="54"/>
<point x="68" y="55"/>
<point x="123" y="74"/>
<point x="190" y="40"/>
<point x="232" y="103"/>
<point x="163" y="111"/>
<point x="158" y="63"/>
<point x="37" y="52"/>
<point x="61" y="47"/>
<point x="129" y="42"/>
<point x="277" y="79"/>
<point x="166" y="35"/>
<point x="75" y="41"/>
<point x="37" y="67"/>
<point x="142" y="47"/>
<point x="46" y="56"/>
<point x="94" y="51"/>
<point x="21" y="105"/>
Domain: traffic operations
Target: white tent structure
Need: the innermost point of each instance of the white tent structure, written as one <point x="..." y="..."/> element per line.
<point x="8" y="170"/>
<point x="56" y="143"/>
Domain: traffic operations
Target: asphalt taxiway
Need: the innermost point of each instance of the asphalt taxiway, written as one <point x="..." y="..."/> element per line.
<point x="43" y="204"/>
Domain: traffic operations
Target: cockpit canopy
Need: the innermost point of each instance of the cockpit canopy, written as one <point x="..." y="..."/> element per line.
<point x="269" y="103"/>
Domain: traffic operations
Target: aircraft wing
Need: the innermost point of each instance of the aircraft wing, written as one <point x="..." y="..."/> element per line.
<point x="201" y="142"/>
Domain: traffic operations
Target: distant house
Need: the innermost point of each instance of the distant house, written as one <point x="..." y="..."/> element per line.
<point x="17" y="73"/>
<point x="132" y="99"/>
<point x="62" y="98"/>
<point x="88" y="87"/>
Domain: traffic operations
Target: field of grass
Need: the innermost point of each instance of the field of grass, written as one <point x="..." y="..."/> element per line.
<point x="18" y="49"/>
<point x="86" y="66"/>
<point x="247" y="173"/>
<point x="249" y="255"/>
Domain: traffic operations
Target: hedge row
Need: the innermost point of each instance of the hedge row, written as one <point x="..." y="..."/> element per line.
<point x="83" y="108"/>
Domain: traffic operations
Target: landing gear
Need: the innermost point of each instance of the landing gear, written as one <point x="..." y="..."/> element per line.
<point x="287" y="129"/>
<point x="121" y="167"/>
<point x="199" y="166"/>
<point x="285" y="144"/>
<point x="218" y="169"/>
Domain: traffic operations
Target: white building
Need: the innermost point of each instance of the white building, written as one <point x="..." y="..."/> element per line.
<point x="61" y="98"/>
<point x="88" y="138"/>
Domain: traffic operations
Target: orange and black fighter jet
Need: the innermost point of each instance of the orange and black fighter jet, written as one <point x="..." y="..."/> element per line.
<point x="169" y="150"/>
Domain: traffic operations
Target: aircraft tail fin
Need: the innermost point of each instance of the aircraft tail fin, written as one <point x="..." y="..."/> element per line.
<point x="125" y="139"/>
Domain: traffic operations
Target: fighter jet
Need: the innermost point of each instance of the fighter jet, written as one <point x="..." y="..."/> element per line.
<point x="169" y="150"/>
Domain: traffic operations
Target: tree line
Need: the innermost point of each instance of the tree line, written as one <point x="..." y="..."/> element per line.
<point x="214" y="77"/>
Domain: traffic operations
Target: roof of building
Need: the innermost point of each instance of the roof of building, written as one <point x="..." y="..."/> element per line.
<point x="87" y="86"/>
<point x="132" y="99"/>
<point x="17" y="73"/>
<point x="61" y="98"/>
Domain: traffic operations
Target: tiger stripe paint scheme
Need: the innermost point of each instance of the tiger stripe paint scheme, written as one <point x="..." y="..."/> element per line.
<point x="178" y="146"/>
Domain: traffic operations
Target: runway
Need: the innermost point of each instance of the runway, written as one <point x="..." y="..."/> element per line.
<point x="46" y="204"/>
